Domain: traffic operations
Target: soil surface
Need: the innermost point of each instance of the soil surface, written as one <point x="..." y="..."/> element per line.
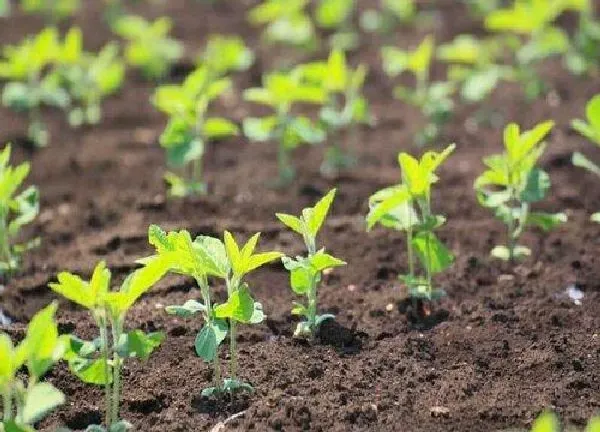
<point x="510" y="341"/>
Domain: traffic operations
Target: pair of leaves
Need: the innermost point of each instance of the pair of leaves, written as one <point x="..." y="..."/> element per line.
<point x="590" y="128"/>
<point x="223" y="54"/>
<point x="311" y="220"/>
<point x="86" y="360"/>
<point x="96" y="294"/>
<point x="396" y="61"/>
<point x="280" y="91"/>
<point x="243" y="260"/>
<point x="305" y="273"/>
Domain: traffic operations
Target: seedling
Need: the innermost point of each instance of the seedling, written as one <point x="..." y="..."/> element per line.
<point x="280" y="92"/>
<point x="149" y="47"/>
<point x="224" y="54"/>
<point x="434" y="99"/>
<point x="345" y="106"/>
<point x="392" y="13"/>
<point x="286" y="22"/>
<point x="336" y="16"/>
<point x="474" y="65"/>
<point x="407" y="207"/>
<point x="512" y="182"/>
<point x="202" y="259"/>
<point x="190" y="129"/>
<point x="28" y="88"/>
<point x="547" y="421"/>
<point x="591" y="130"/>
<point x="533" y="21"/>
<point x="101" y="360"/>
<point x="306" y="272"/>
<point x="54" y="11"/>
<point x="88" y="78"/>
<point x="25" y="402"/>
<point x="16" y="211"/>
<point x="583" y="55"/>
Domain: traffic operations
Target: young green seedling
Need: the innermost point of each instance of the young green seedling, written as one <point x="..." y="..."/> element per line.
<point x="591" y="130"/>
<point x="532" y="21"/>
<point x="407" y="207"/>
<point x="190" y="128"/>
<point x="512" y="182"/>
<point x="432" y="98"/>
<point x="473" y="64"/>
<point x="101" y="360"/>
<point x="583" y="55"/>
<point x="280" y="92"/>
<point x="88" y="78"/>
<point x="286" y="22"/>
<point x="547" y="421"/>
<point x="336" y="16"/>
<point x="223" y="54"/>
<point x="54" y="11"/>
<point x="306" y="272"/>
<point x="392" y="13"/>
<point x="210" y="257"/>
<point x="26" y="401"/>
<point x="149" y="47"/>
<point x="28" y="87"/>
<point x="345" y="106"/>
<point x="16" y="211"/>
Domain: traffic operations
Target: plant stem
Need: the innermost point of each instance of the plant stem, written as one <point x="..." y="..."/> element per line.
<point x="7" y="403"/>
<point x="107" y="390"/>
<point x="205" y="290"/>
<point x="5" y="255"/>
<point x="232" y="286"/>
<point x="116" y="390"/>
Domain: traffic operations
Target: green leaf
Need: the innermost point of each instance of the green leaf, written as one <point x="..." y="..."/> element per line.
<point x="292" y="222"/>
<point x="212" y="256"/>
<point x="432" y="253"/>
<point x="91" y="371"/>
<point x="593" y="425"/>
<point x="538" y="184"/>
<point x="302" y="274"/>
<point x="321" y="261"/>
<point x="217" y="127"/>
<point x="595" y="217"/>
<point x="546" y="422"/>
<point x="210" y="337"/>
<point x="188" y="309"/>
<point x="261" y="259"/>
<point x="393" y="199"/>
<point x="259" y="129"/>
<point x="141" y="345"/>
<point x="239" y="306"/>
<point x="500" y="252"/>
<point x="300" y="309"/>
<point x="41" y="346"/>
<point x="258" y="315"/>
<point x="579" y="160"/>
<point x="11" y="426"/>
<point x="546" y="221"/>
<point x="42" y="398"/>
<point x="319" y="213"/>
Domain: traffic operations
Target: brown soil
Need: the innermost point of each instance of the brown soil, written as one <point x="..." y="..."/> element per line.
<point x="511" y="343"/>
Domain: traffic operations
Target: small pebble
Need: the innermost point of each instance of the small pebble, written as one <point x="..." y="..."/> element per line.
<point x="389" y="307"/>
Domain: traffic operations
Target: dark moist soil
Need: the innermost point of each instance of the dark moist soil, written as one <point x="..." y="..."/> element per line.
<point x="508" y="342"/>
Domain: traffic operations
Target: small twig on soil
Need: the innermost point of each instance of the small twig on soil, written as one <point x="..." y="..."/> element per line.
<point x="219" y="427"/>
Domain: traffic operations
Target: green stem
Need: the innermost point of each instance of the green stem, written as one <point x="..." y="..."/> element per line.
<point x="116" y="390"/>
<point x="107" y="390"/>
<point x="232" y="286"/>
<point x="7" y="405"/>
<point x="5" y="255"/>
<point x="205" y="290"/>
